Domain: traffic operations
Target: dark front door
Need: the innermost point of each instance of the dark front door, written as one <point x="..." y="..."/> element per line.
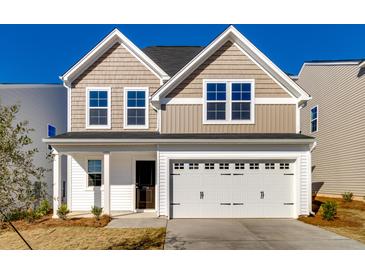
<point x="145" y="184"/>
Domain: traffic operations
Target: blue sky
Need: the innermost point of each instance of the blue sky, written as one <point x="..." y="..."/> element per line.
<point x="41" y="53"/>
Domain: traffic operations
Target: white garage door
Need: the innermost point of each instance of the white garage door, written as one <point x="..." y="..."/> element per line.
<point x="232" y="189"/>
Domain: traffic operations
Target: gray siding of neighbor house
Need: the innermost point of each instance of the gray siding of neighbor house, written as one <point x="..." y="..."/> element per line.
<point x="40" y="105"/>
<point x="117" y="68"/>
<point x="338" y="161"/>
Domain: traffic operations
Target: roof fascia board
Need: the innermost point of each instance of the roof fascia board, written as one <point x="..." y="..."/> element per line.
<point x="238" y="38"/>
<point x="102" y="47"/>
<point x="174" y="141"/>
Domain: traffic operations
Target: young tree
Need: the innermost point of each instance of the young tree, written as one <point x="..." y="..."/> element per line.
<point x="21" y="182"/>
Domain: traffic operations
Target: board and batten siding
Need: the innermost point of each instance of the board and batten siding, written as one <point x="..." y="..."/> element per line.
<point x="338" y="161"/>
<point x="228" y="62"/>
<point x="116" y="68"/>
<point x="189" y="119"/>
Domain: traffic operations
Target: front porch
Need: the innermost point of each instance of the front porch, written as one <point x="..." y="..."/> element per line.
<point x="122" y="181"/>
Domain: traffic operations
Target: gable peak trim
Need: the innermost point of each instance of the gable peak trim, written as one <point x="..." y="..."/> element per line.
<point x="115" y="36"/>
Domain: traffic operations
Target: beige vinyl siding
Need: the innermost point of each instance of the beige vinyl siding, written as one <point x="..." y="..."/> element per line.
<point x="189" y="119"/>
<point x="339" y="158"/>
<point x="229" y="62"/>
<point x="117" y="68"/>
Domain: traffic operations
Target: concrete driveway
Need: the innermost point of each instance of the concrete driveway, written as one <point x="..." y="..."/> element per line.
<point x="251" y="234"/>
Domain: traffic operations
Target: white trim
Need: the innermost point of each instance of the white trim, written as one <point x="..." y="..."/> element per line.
<point x="146" y="107"/>
<point x="102" y="47"/>
<point x="362" y="64"/>
<point x="297" y="117"/>
<point x="181" y="101"/>
<point x="200" y="101"/>
<point x="229" y="102"/>
<point x="249" y="155"/>
<point x="311" y="120"/>
<point x="231" y="33"/>
<point x="109" y="107"/>
<point x="69" y="120"/>
<point x="89" y="141"/>
<point x="92" y="188"/>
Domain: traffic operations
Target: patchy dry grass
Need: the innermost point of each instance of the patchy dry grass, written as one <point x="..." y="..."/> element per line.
<point x="350" y="220"/>
<point x="85" y="238"/>
<point x="79" y="233"/>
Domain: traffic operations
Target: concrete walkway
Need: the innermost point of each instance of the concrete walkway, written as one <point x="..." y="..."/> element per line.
<point x="259" y="234"/>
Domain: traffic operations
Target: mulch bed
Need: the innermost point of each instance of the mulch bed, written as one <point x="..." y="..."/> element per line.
<point x="47" y="221"/>
<point x="346" y="213"/>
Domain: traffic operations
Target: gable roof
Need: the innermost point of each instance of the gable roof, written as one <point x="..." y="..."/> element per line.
<point x="232" y="34"/>
<point x="172" y="58"/>
<point x="114" y="37"/>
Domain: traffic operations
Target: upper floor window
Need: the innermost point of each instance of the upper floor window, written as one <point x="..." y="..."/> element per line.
<point x="216" y="101"/>
<point x="136" y="108"/>
<point x="228" y="102"/>
<point x="314" y="119"/>
<point x="98" y="108"/>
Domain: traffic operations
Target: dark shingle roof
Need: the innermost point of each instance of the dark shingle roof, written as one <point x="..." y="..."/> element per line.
<point x="172" y="58"/>
<point x="156" y="135"/>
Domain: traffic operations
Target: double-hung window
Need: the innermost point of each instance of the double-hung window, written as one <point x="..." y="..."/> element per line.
<point x="98" y="111"/>
<point x="94" y="172"/>
<point x="216" y="94"/>
<point x="241" y="101"/>
<point x="228" y="102"/>
<point x="136" y="108"/>
<point x="314" y="119"/>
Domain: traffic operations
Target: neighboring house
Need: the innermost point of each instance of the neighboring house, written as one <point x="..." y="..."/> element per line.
<point x="43" y="105"/>
<point x="185" y="132"/>
<point x="336" y="118"/>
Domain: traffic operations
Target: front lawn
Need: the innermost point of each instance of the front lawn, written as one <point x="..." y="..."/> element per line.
<point x="82" y="233"/>
<point x="350" y="220"/>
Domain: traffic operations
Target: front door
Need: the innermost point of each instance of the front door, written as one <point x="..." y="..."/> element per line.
<point x="145" y="184"/>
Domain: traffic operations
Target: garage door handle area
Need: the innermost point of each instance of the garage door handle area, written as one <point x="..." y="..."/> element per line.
<point x="237" y="203"/>
<point x="225" y="203"/>
<point x="175" y="204"/>
<point x="288" y="203"/>
<point x="288" y="173"/>
<point x="174" y="174"/>
<point x="262" y="195"/>
<point x="226" y="174"/>
<point x="237" y="174"/>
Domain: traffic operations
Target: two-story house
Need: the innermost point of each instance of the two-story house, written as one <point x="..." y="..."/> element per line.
<point x="185" y="132"/>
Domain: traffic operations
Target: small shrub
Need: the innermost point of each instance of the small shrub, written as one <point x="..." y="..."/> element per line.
<point x="347" y="196"/>
<point x="96" y="211"/>
<point x="43" y="208"/>
<point x="62" y="211"/>
<point x="32" y="215"/>
<point x="329" y="210"/>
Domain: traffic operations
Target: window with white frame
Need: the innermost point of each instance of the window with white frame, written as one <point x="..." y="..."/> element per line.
<point x="136" y="108"/>
<point x="98" y="107"/>
<point x="241" y="101"/>
<point x="228" y="101"/>
<point x="94" y="172"/>
<point x="314" y="119"/>
<point x="216" y="101"/>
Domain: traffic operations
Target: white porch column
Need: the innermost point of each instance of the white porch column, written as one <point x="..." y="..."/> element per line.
<point x="106" y="178"/>
<point x="57" y="190"/>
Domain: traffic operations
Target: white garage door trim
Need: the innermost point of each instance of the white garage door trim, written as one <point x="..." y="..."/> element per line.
<point x="302" y="175"/>
<point x="224" y="194"/>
